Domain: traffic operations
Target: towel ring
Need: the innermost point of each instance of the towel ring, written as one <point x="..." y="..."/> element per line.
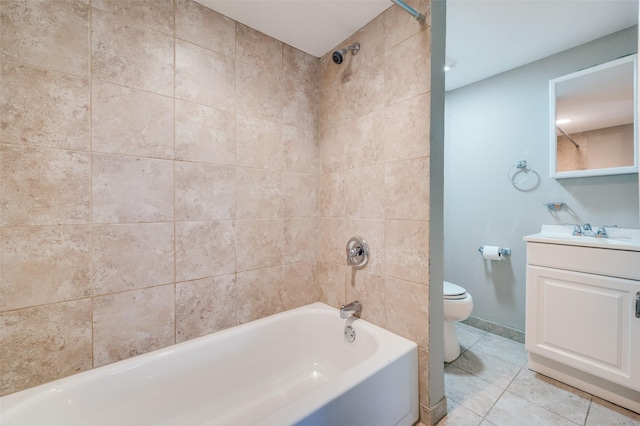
<point x="520" y="165"/>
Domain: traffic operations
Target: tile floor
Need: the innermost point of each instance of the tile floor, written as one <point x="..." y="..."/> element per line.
<point x="489" y="384"/>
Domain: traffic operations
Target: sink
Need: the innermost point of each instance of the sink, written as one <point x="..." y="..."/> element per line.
<point x="617" y="239"/>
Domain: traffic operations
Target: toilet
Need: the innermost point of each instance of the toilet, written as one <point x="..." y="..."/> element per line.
<point x="457" y="307"/>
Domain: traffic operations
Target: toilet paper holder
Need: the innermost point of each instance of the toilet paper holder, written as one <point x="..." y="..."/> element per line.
<point x="503" y="251"/>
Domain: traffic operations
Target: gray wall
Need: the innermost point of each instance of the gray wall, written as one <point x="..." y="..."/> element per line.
<point x="490" y="125"/>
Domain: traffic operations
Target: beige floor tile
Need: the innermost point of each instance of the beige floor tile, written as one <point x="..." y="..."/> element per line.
<point x="457" y="415"/>
<point x="471" y="391"/>
<point x="603" y="413"/>
<point x="467" y="335"/>
<point x="487" y="367"/>
<point x="557" y="397"/>
<point x="512" y="410"/>
<point x="504" y="349"/>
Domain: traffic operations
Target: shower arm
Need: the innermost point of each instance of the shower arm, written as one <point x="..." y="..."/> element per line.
<point x="419" y="16"/>
<point x="567" y="135"/>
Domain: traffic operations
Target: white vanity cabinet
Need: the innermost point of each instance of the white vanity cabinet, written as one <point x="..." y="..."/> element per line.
<point x="581" y="324"/>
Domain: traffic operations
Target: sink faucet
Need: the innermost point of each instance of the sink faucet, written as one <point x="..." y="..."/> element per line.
<point x="602" y="232"/>
<point x="577" y="230"/>
<point x="587" y="230"/>
<point x="352" y="309"/>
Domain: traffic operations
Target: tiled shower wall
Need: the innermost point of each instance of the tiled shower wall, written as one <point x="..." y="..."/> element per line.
<point x="374" y="142"/>
<point x="161" y="178"/>
<point x="159" y="171"/>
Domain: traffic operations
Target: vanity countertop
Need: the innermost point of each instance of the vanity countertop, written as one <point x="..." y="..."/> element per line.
<point x="617" y="239"/>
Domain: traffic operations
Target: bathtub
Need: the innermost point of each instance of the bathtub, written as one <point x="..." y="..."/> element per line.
<point x="295" y="367"/>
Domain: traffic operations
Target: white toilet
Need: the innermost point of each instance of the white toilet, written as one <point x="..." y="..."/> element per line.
<point x="457" y="307"/>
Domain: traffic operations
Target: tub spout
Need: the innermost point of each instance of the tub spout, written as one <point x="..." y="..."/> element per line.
<point x="352" y="309"/>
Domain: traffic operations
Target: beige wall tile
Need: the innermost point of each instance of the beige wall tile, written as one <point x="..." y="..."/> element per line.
<point x="205" y="249"/>
<point x="368" y="289"/>
<point x="205" y="306"/>
<point x="371" y="39"/>
<point x="332" y="280"/>
<point x="269" y="138"/>
<point x="406" y="250"/>
<point x="364" y="140"/>
<point x="205" y="134"/>
<point x="300" y="240"/>
<point x="46" y="34"/>
<point x="256" y="48"/>
<point x="301" y="150"/>
<point x="350" y="91"/>
<point x="43" y="265"/>
<point x="132" y="323"/>
<point x="127" y="121"/>
<point x="259" y="244"/>
<point x="156" y="14"/>
<point x="205" y="77"/>
<point x="259" y="194"/>
<point x="131" y="189"/>
<point x="261" y="294"/>
<point x="407" y="307"/>
<point x="301" y="92"/>
<point x="363" y="91"/>
<point x="44" y="343"/>
<point x="408" y="66"/>
<point x="332" y="149"/>
<point x="331" y="108"/>
<point x="331" y="200"/>
<point x="406" y="129"/>
<point x="373" y="233"/>
<point x="205" y="191"/>
<point x="259" y="93"/>
<point x="130" y="257"/>
<point x="399" y="25"/>
<point x="364" y="193"/>
<point x="43" y="186"/>
<point x="407" y="189"/>
<point x="205" y="27"/>
<point x="131" y="55"/>
<point x="333" y="240"/>
<point x="44" y="108"/>
<point x="300" y="195"/>
<point x="259" y="143"/>
<point x="300" y="285"/>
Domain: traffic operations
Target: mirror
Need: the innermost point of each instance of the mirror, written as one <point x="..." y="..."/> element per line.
<point x="593" y="125"/>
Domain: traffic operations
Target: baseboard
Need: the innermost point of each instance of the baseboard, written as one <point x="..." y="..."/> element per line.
<point x="430" y="416"/>
<point x="492" y="327"/>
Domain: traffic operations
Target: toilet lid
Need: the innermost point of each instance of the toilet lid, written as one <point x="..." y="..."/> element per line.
<point x="453" y="291"/>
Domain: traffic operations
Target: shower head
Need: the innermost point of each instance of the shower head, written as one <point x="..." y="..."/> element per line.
<point x="339" y="55"/>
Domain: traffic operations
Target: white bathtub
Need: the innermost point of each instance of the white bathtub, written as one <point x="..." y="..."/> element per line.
<point x="292" y="368"/>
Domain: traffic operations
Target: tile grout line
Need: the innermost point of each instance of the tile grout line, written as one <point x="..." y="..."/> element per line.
<point x="506" y="389"/>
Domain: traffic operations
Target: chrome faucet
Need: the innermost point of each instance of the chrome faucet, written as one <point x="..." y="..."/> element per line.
<point x="577" y="230"/>
<point x="602" y="232"/>
<point x="587" y="230"/>
<point x="352" y="309"/>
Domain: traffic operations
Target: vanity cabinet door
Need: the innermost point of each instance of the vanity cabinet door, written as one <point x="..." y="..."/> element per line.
<point x="585" y="321"/>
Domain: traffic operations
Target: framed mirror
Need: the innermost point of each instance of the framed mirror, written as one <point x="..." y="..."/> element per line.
<point x="593" y="121"/>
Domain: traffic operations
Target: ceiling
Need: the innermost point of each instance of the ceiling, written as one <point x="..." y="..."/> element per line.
<point x="313" y="26"/>
<point x="484" y="37"/>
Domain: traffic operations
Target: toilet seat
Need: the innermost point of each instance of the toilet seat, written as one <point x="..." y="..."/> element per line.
<point x="452" y="291"/>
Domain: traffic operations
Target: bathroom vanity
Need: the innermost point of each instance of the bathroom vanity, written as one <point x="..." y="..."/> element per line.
<point x="583" y="311"/>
